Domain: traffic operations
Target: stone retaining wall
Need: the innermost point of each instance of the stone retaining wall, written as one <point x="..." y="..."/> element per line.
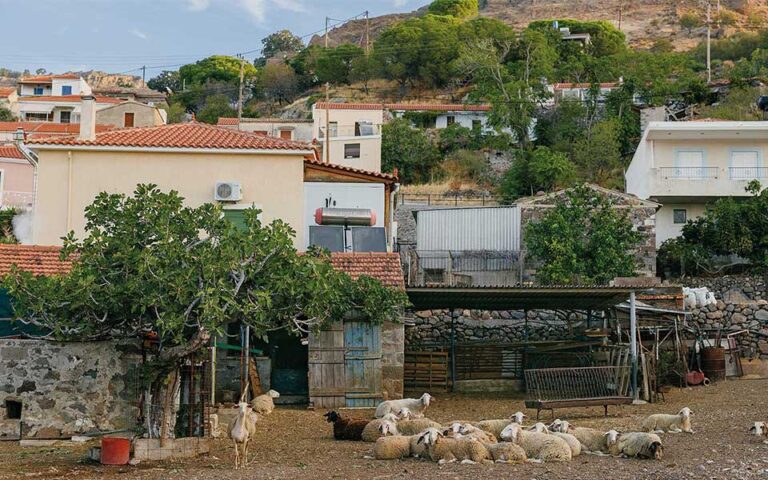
<point x="733" y="288"/>
<point x="730" y="317"/>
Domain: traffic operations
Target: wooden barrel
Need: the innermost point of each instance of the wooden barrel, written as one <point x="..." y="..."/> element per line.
<point x="713" y="363"/>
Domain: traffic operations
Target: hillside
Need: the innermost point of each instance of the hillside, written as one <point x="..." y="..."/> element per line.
<point x="643" y="21"/>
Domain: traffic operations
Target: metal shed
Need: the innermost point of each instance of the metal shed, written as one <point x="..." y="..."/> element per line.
<point x="468" y="229"/>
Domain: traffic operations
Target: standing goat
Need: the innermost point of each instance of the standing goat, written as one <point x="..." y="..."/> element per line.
<point x="242" y="428"/>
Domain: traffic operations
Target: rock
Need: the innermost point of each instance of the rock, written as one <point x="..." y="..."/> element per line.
<point x="761" y="315"/>
<point x="48" y="432"/>
<point x="424" y="313"/>
<point x="763" y="346"/>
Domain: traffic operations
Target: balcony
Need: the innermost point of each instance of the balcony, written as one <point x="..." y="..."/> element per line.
<point x="351" y="131"/>
<point x="748" y="173"/>
<point x="679" y="183"/>
<point x="689" y="173"/>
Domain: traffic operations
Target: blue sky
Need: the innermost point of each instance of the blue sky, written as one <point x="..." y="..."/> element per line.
<point x="121" y="35"/>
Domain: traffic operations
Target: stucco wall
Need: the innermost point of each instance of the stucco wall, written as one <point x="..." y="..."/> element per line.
<point x="666" y="228"/>
<point x="17" y="183"/>
<point x="66" y="388"/>
<point x="273" y="182"/>
<point x="143" y="115"/>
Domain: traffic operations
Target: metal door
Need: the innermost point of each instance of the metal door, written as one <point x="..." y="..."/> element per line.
<point x="362" y="361"/>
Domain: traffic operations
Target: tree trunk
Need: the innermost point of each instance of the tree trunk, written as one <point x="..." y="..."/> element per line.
<point x="163" y="404"/>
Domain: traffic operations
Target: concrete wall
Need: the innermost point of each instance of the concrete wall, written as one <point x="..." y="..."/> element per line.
<point x="143" y="115"/>
<point x="301" y="131"/>
<point x="17" y="179"/>
<point x="666" y="228"/>
<point x="370" y="145"/>
<point x="66" y="388"/>
<point x="66" y="187"/>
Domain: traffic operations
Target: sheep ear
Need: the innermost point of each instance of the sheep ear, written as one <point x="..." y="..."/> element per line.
<point x="421" y="439"/>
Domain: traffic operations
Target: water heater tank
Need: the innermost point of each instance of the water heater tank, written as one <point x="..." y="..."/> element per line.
<point x="361" y="217"/>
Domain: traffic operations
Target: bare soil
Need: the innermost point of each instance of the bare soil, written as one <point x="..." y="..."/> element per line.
<point x="295" y="444"/>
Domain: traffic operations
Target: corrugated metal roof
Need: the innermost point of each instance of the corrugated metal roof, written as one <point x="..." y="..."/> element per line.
<point x="468" y="229"/>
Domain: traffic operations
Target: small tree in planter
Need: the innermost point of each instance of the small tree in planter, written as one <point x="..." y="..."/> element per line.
<point x="149" y="265"/>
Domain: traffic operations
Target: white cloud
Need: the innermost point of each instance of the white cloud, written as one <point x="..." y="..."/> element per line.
<point x="290" y="5"/>
<point x="198" y="5"/>
<point x="138" y="33"/>
<point x="255" y="8"/>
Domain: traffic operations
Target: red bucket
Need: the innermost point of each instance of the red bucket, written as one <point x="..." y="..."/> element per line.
<point x="115" y="451"/>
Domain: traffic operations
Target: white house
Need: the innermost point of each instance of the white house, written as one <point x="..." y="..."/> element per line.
<point x="53" y="85"/>
<point x="349" y="133"/>
<point x="288" y="129"/>
<point x="445" y="115"/>
<point x="687" y="165"/>
<point x="55" y="98"/>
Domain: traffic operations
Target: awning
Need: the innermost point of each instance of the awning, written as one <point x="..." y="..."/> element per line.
<point x="32" y="108"/>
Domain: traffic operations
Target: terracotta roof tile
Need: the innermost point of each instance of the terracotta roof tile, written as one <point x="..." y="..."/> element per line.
<point x="67" y="98"/>
<point x="48" y="78"/>
<point x="342" y="168"/>
<point x="227" y="121"/>
<point x="34" y="259"/>
<point x="349" y="106"/>
<point x="439" y="107"/>
<point x="179" y="135"/>
<point x="47" y="129"/>
<point x="384" y="267"/>
<point x="10" y="151"/>
<point x="5" y="91"/>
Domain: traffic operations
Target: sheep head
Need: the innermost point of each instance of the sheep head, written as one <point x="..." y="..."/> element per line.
<point x="273" y="394"/>
<point x="452" y="429"/>
<point x="685" y="412"/>
<point x="518" y="417"/>
<point x="612" y="437"/>
<point x="561" y="426"/>
<point x="511" y="433"/>
<point x="243" y="407"/>
<point x="430" y="437"/>
<point x="405" y="413"/>
<point x="656" y="450"/>
<point x="759" y="429"/>
<point x="425" y="399"/>
<point x="332" y="417"/>
<point x="466" y="429"/>
<point x="388" y="428"/>
<point x="390" y="417"/>
<point x="539" y="428"/>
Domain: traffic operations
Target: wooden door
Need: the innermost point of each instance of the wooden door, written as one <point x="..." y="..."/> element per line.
<point x="362" y="362"/>
<point x="326" y="367"/>
<point x="129" y="116"/>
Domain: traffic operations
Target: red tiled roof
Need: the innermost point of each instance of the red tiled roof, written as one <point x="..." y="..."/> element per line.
<point x="342" y="168"/>
<point x="564" y="86"/>
<point x="34" y="259"/>
<point x="441" y="107"/>
<point x="349" y="106"/>
<point x="227" y="121"/>
<point x="180" y="135"/>
<point x="5" y="91"/>
<point x="67" y="98"/>
<point x="11" y="151"/>
<point x="48" y="78"/>
<point x="384" y="267"/>
<point x="47" y="129"/>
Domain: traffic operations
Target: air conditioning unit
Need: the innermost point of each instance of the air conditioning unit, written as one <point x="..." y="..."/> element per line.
<point x="228" y="192"/>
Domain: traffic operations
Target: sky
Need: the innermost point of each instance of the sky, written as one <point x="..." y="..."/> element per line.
<point x="119" y="36"/>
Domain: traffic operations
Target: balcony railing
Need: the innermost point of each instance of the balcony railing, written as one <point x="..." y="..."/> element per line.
<point x="689" y="173"/>
<point x="748" y="173"/>
<point x="362" y="130"/>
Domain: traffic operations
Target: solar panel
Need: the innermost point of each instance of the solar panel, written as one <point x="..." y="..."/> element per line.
<point x="369" y="239"/>
<point x="330" y="238"/>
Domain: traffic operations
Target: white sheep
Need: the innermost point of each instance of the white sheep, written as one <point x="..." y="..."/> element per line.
<point x="640" y="445"/>
<point x="241" y="429"/>
<point x="467" y="430"/>
<point x="573" y="442"/>
<point x="592" y="440"/>
<point x="264" y="404"/>
<point x="759" y="429"/>
<point x="612" y="442"/>
<point x="446" y="450"/>
<point x="418" y="425"/>
<point x="662" y="422"/>
<point x="506" y="452"/>
<point x="392" y="448"/>
<point x="405" y="413"/>
<point x="496" y="426"/>
<point x="415" y="405"/>
<point x="372" y="430"/>
<point x="539" y="446"/>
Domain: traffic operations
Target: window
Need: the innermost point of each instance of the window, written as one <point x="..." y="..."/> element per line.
<point x="689" y="164"/>
<point x="66" y="89"/>
<point x="450" y="120"/>
<point x="65" y="117"/>
<point x="12" y="410"/>
<point x="38" y="90"/>
<point x="36" y="117"/>
<point x="363" y="129"/>
<point x="352" y="150"/>
<point x="333" y="129"/>
<point x="263" y="133"/>
<point x="679" y="216"/>
<point x="128" y="119"/>
<point x="477" y="124"/>
<point x="286" y="134"/>
<point x="745" y="164"/>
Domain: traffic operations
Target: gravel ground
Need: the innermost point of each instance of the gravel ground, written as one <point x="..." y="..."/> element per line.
<point x="297" y="444"/>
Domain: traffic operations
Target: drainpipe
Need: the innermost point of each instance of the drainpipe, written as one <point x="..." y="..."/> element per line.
<point x="69" y="191"/>
<point x="395" y="189"/>
<point x="32" y="158"/>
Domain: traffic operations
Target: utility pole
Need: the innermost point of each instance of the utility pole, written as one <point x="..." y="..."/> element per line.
<point x="621" y="8"/>
<point x="327" y="145"/>
<point x="709" y="41"/>
<point x="367" y="33"/>
<point x="240" y="94"/>
<point x="144" y="75"/>
<point x="326" y="32"/>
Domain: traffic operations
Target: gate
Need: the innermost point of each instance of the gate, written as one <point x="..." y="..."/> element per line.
<point x="362" y="362"/>
<point x="327" y="384"/>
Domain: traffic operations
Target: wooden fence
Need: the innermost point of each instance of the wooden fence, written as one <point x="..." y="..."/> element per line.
<point x="430" y="370"/>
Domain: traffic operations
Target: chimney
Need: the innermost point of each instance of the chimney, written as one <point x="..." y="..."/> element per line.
<point x="87" y="117"/>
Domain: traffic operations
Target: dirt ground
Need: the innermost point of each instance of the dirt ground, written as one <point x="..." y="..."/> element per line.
<point x="297" y="444"/>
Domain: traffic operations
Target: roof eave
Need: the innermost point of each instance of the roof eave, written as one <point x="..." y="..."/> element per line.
<point x="116" y="148"/>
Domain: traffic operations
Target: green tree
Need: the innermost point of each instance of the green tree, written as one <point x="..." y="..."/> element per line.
<point x="282" y="42"/>
<point x="334" y="65"/>
<point x="689" y="21"/>
<point x="217" y="68"/>
<point x="278" y="82"/>
<point x="740" y="104"/>
<point x="605" y="38"/>
<point x="6" y="115"/>
<point x="364" y="69"/>
<point x="409" y="150"/>
<point x="583" y="239"/>
<point x="166" y="81"/>
<point x="454" y="8"/>
<point x="176" y="112"/>
<point x="150" y="267"/>
<point x="216" y="106"/>
<point x="598" y="154"/>
<point x="539" y="170"/>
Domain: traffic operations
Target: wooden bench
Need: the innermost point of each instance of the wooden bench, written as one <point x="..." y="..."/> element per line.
<point x="551" y="388"/>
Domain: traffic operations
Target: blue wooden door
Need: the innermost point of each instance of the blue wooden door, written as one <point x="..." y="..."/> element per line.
<point x="362" y="363"/>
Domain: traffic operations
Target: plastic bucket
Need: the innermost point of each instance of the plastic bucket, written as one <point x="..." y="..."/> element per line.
<point x="115" y="451"/>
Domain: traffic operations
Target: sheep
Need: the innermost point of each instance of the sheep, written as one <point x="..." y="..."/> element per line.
<point x="496" y="426"/>
<point x="446" y="450"/>
<point x="539" y="446"/>
<point x="346" y="428"/>
<point x="505" y="452"/>
<point x="372" y="430"/>
<point x="759" y="429"/>
<point x="572" y="441"/>
<point x="661" y="422"/>
<point x="640" y="445"/>
<point x="467" y="430"/>
<point x="241" y="429"/>
<point x="612" y="442"/>
<point x="412" y="427"/>
<point x="592" y="440"/>
<point x="405" y="413"/>
<point x="415" y="405"/>
<point x="393" y="448"/>
<point x="264" y="404"/>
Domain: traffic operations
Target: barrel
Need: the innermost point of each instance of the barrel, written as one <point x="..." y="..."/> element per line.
<point x="115" y="451"/>
<point x="713" y="363"/>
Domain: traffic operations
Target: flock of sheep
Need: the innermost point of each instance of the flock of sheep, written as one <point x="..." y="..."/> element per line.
<point x="401" y="430"/>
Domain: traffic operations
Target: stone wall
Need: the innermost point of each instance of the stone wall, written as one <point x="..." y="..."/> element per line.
<point x="434" y="326"/>
<point x="65" y="388"/>
<point x="732" y="317"/>
<point x="392" y="360"/>
<point x="735" y="289"/>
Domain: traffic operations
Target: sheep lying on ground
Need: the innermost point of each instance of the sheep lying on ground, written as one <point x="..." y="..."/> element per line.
<point x="572" y="441"/>
<point x="540" y="446"/>
<point x="393" y="448"/>
<point x="592" y="440"/>
<point x="416" y="405"/>
<point x="505" y="452"/>
<point x="496" y="426"/>
<point x="346" y="428"/>
<point x="640" y="445"/>
<point x="661" y="422"/>
<point x="264" y="404"/>
<point x="467" y="430"/>
<point x="372" y="430"/>
<point x="612" y="442"/>
<point x="446" y="450"/>
<point x="412" y="427"/>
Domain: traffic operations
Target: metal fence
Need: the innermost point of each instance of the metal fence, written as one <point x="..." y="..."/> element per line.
<point x="748" y="173"/>
<point x="464" y="267"/>
<point x="689" y="173"/>
<point x="577" y="383"/>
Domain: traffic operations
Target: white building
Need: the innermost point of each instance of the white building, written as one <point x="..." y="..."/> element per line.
<point x="687" y="165"/>
<point x="352" y="132"/>
<point x="444" y="115"/>
<point x="55" y="98"/>
<point x="288" y="129"/>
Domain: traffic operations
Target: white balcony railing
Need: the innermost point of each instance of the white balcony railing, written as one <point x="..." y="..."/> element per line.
<point x="748" y="173"/>
<point x="363" y="130"/>
<point x="689" y="173"/>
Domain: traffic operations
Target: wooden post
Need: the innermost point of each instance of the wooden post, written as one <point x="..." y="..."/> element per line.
<point x="633" y="343"/>
<point x="453" y="353"/>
